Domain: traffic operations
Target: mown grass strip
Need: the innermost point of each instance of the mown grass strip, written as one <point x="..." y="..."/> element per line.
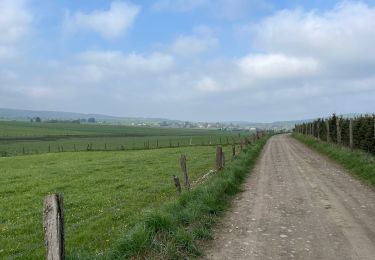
<point x="359" y="163"/>
<point x="175" y="230"/>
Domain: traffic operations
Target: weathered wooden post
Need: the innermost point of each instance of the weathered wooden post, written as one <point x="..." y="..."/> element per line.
<point x="49" y="148"/>
<point x="177" y="184"/>
<point x="233" y="151"/>
<point x="338" y="129"/>
<point x="184" y="171"/>
<point x="351" y="134"/>
<point x="328" y="133"/>
<point x="222" y="160"/>
<point x="53" y="224"/>
<point x="313" y="129"/>
<point x="219" y="157"/>
<point x="157" y="143"/>
<point x="318" y="129"/>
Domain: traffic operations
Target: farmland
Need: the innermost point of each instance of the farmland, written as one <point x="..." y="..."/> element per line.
<point x="109" y="175"/>
<point x="20" y="138"/>
<point x="104" y="193"/>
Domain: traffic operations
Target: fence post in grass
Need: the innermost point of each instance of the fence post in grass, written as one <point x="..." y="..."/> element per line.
<point x="157" y="143"/>
<point x="177" y="184"/>
<point x="318" y="130"/>
<point x="328" y="133"/>
<point x="184" y="171"/>
<point x="53" y="224"/>
<point x="351" y="134"/>
<point x="222" y="160"/>
<point x="313" y="129"/>
<point x="338" y="128"/>
<point x="233" y="151"/>
<point x="241" y="145"/>
<point x="219" y="157"/>
<point x="49" y="148"/>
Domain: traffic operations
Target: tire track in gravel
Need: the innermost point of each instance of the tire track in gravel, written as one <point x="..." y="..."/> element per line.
<point x="297" y="204"/>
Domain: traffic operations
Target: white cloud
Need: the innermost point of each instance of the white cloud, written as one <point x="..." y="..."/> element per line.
<point x="229" y="9"/>
<point x="103" y="64"/>
<point x="15" y="21"/>
<point x="343" y="35"/>
<point x="273" y="66"/>
<point x="207" y="84"/>
<point x="179" y="5"/>
<point x="15" y="25"/>
<point x="187" y="45"/>
<point x="109" y="24"/>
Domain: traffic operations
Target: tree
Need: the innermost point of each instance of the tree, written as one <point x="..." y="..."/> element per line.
<point x="91" y="120"/>
<point x="38" y="120"/>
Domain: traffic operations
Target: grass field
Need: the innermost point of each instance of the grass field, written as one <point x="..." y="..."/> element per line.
<point x="104" y="194"/>
<point x="18" y="138"/>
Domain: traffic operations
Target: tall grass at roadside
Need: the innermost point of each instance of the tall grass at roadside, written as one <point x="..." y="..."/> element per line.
<point x="175" y="231"/>
<point x="359" y="163"/>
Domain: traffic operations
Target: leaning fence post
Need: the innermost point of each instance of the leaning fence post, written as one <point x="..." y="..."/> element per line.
<point x="233" y="151"/>
<point x="177" y="184"/>
<point x="338" y="131"/>
<point x="219" y="157"/>
<point x="328" y="134"/>
<point x="53" y="224"/>
<point x="351" y="133"/>
<point x="184" y="171"/>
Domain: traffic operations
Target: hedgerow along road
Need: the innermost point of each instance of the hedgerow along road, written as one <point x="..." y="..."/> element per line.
<point x="297" y="204"/>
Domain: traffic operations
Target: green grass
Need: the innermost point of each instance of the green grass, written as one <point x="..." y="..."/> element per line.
<point x="104" y="194"/>
<point x="359" y="163"/>
<point x="18" y="138"/>
<point x="177" y="230"/>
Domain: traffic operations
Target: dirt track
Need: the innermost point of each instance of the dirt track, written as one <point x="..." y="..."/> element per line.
<point x="297" y="205"/>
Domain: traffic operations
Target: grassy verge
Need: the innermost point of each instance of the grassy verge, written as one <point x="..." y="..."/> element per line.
<point x="175" y="231"/>
<point x="359" y="163"/>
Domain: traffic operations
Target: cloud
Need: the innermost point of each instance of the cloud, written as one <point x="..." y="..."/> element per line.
<point x="273" y="66"/>
<point x="179" y="5"/>
<point x="109" y="24"/>
<point x="15" y="21"/>
<point x="231" y="9"/>
<point x="342" y="37"/>
<point x="15" y="24"/>
<point x="207" y="84"/>
<point x="188" y="45"/>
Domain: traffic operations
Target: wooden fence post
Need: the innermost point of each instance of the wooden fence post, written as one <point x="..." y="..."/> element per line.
<point x="184" y="171"/>
<point x="53" y="224"/>
<point x="328" y="133"/>
<point x="318" y="130"/>
<point x="222" y="160"/>
<point x="313" y="129"/>
<point x="177" y="184"/>
<point x="338" y="129"/>
<point x="233" y="150"/>
<point x="219" y="157"/>
<point x="351" y="143"/>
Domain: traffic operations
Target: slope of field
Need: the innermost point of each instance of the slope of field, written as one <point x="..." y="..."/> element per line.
<point x="104" y="192"/>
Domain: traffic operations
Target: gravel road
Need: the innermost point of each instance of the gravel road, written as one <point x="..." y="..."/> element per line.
<point x="297" y="204"/>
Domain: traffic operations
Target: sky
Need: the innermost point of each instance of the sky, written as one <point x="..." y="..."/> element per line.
<point x="198" y="60"/>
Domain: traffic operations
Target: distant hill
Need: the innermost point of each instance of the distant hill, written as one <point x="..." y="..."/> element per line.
<point x="26" y="115"/>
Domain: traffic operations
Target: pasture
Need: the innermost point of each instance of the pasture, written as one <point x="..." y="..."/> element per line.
<point x="104" y="194"/>
<point x="22" y="138"/>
